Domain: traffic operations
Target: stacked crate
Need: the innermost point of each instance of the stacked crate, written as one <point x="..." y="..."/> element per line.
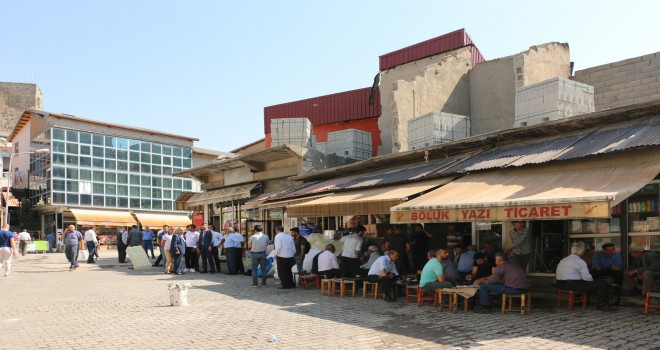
<point x="291" y="131"/>
<point x="349" y="143"/>
<point x="437" y="128"/>
<point x="553" y="99"/>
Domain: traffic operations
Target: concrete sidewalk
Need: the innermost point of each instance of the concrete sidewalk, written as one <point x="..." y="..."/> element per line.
<point x="108" y="306"/>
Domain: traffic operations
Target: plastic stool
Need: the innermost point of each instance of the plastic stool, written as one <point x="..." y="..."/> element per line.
<point x="571" y="298"/>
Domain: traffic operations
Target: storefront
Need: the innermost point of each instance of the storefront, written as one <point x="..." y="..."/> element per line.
<point x="594" y="200"/>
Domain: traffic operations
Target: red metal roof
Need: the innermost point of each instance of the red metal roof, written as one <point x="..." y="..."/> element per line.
<point x="339" y="107"/>
<point x="448" y="42"/>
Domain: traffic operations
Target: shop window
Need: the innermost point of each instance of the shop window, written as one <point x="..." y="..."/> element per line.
<point x="644" y="217"/>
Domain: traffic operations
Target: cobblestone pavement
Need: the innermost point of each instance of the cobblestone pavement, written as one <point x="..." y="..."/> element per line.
<point x="109" y="306"/>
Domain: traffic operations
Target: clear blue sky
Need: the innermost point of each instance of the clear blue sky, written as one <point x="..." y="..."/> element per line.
<point x="208" y="68"/>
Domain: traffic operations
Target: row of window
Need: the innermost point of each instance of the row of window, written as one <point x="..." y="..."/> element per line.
<point x="115" y="165"/>
<point x="87" y="187"/>
<point x="112" y="177"/>
<point x="85" y="138"/>
<point x="111" y="201"/>
<point x="111" y="153"/>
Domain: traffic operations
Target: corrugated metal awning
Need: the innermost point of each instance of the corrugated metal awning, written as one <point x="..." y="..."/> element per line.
<point x="288" y="202"/>
<point x="102" y="217"/>
<point x="568" y="190"/>
<point x="362" y="202"/>
<point x="158" y="220"/>
<point x="222" y="195"/>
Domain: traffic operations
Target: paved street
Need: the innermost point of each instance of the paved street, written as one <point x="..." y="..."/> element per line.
<point x="108" y="306"/>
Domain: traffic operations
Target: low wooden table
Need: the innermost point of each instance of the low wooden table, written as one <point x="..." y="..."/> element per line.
<point x="466" y="292"/>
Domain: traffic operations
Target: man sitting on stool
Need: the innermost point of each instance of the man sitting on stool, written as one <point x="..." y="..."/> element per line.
<point x="608" y="263"/>
<point x="433" y="276"/>
<point x="507" y="278"/>
<point x="327" y="262"/>
<point x="384" y="272"/>
<point x="573" y="274"/>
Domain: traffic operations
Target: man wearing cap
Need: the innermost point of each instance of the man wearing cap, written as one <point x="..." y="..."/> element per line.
<point x="350" y="264"/>
<point x="645" y="268"/>
<point x="521" y="247"/>
<point x="372" y="253"/>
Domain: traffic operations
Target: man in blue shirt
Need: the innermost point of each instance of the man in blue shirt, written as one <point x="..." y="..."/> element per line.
<point x="384" y="272"/>
<point x="73" y="241"/>
<point x="7" y="248"/>
<point x="148" y="241"/>
<point x="608" y="263"/>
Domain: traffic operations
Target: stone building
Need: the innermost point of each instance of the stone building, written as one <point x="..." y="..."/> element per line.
<point x="15" y="98"/>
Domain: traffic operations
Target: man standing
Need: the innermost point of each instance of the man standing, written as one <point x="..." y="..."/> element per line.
<point x="234" y="249"/>
<point x="350" y="263"/>
<point x="573" y="274"/>
<point x="384" y="272"/>
<point x="24" y="239"/>
<point x="206" y="249"/>
<point x="178" y="251"/>
<point x="7" y="248"/>
<point x="192" y="259"/>
<point x="506" y="279"/>
<point x="433" y="276"/>
<point x="284" y="251"/>
<point x="419" y="246"/>
<point x="134" y="237"/>
<point x="521" y="247"/>
<point x="148" y="241"/>
<point x="92" y="243"/>
<point x="257" y="243"/>
<point x="215" y="250"/>
<point x="399" y="242"/>
<point x="646" y="268"/>
<point x="122" y="240"/>
<point x="73" y="243"/>
<point x="302" y="247"/>
<point x="167" y="248"/>
<point x="161" y="243"/>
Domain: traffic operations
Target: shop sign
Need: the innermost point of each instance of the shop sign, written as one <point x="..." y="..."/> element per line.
<point x="506" y="213"/>
<point x="275" y="214"/>
<point x="198" y="220"/>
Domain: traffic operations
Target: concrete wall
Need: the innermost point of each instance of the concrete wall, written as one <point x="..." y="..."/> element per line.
<point x="434" y="84"/>
<point x="493" y="83"/>
<point x="21" y="163"/>
<point x="624" y="82"/>
<point x="15" y="98"/>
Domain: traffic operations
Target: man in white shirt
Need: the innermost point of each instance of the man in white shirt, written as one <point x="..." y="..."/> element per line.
<point x="328" y="264"/>
<point x="215" y="250"/>
<point x="234" y="249"/>
<point x="350" y="263"/>
<point x="192" y="259"/>
<point x="167" y="244"/>
<point x="384" y="272"/>
<point x="573" y="274"/>
<point x="159" y="241"/>
<point x="92" y="243"/>
<point x="285" y="249"/>
<point x="24" y="239"/>
<point x="258" y="243"/>
<point x="372" y="252"/>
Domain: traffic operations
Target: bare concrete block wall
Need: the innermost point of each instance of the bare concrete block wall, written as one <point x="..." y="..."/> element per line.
<point x="15" y="98"/>
<point x="493" y="83"/>
<point x="434" y="84"/>
<point x="626" y="82"/>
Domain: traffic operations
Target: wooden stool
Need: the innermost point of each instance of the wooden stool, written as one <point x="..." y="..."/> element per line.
<point x="647" y="303"/>
<point x="411" y="290"/>
<point x="352" y="282"/>
<point x="423" y="296"/>
<point x="571" y="298"/>
<point x="305" y="280"/>
<point x="525" y="303"/>
<point x="451" y="300"/>
<point x="337" y="286"/>
<point x="374" y="288"/>
<point x="326" y="284"/>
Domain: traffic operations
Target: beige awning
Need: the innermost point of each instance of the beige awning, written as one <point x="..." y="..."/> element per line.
<point x="103" y="217"/>
<point x="370" y="201"/>
<point x="158" y="220"/>
<point x="586" y="189"/>
<point x="222" y="195"/>
<point x="288" y="202"/>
